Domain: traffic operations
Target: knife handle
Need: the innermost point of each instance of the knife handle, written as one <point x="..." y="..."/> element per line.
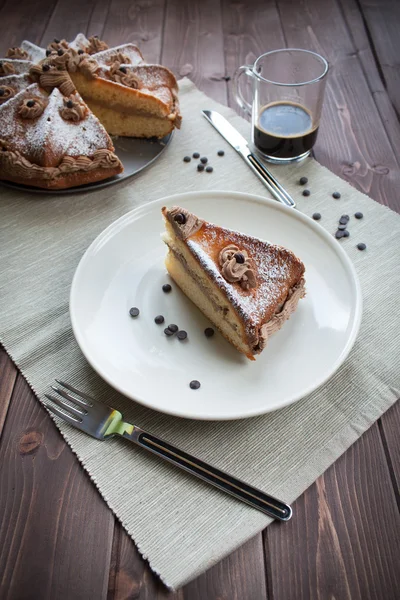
<point x="269" y="180"/>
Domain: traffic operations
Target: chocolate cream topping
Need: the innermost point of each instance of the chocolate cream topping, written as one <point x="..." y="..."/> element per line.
<point x="183" y="222"/>
<point x="236" y="267"/>
<point x="17" y="53"/>
<point x="95" y="45"/>
<point x="121" y="74"/>
<point x="31" y="108"/>
<point x="6" y="92"/>
<point x="73" y="109"/>
<point x="6" y="68"/>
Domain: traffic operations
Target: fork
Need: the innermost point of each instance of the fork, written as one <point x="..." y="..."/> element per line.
<point x="103" y="422"/>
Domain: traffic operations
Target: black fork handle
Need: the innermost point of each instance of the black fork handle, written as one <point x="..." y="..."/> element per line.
<point x="227" y="483"/>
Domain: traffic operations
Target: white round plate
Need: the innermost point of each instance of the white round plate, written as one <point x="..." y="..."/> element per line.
<point x="124" y="267"/>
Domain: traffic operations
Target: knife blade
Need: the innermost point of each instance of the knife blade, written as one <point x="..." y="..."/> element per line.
<point x="238" y="142"/>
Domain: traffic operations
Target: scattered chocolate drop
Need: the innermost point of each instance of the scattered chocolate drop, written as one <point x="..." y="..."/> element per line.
<point x="209" y="332"/>
<point x="166" y="288"/>
<point x="336" y="195"/>
<point x="306" y="192"/>
<point x="30" y="103"/>
<point x="220" y="153"/>
<point x="346" y="233"/>
<point x="174" y="328"/>
<point x="181" y="335"/>
<point x="345" y="217"/>
<point x="209" y="169"/>
<point x="196" y="154"/>
<point x="358" y="215"/>
<point x="343" y="221"/>
<point x="361" y="246"/>
<point x="303" y="180"/>
<point x="186" y="159"/>
<point x="239" y="258"/>
<point x="339" y="234"/>
<point x="134" y="312"/>
<point x="342" y="226"/>
<point x="168" y="332"/>
<point x="316" y="216"/>
<point x="200" y="167"/>
<point x="194" y="385"/>
<point x="159" y="319"/>
<point x="180" y="218"/>
<point x="204" y="160"/>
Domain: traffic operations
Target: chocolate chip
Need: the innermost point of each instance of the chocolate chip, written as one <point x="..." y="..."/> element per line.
<point x="70" y="104"/>
<point x="180" y="218"/>
<point x="194" y="385"/>
<point x="168" y="332"/>
<point x="187" y="159"/>
<point x="174" y="328"/>
<point x="60" y="52"/>
<point x="46" y="68"/>
<point x="166" y="288"/>
<point x="48" y="52"/>
<point x="342" y="226"/>
<point x="134" y="312"/>
<point x="159" y="319"/>
<point x="358" y="215"/>
<point x="200" y="167"/>
<point x="346" y="233"/>
<point x="339" y="234"/>
<point x="343" y="221"/>
<point x="345" y="217"/>
<point x="80" y="51"/>
<point x="361" y="246"/>
<point x="123" y="69"/>
<point x="209" y="169"/>
<point x="204" y="160"/>
<point x="2" y="92"/>
<point x="181" y="335"/>
<point x="306" y="192"/>
<point x="220" y="153"/>
<point x="336" y="195"/>
<point x="57" y="41"/>
<point x="303" y="180"/>
<point x="316" y="216"/>
<point x="239" y="258"/>
<point x="209" y="332"/>
<point x="30" y="103"/>
<point x="196" y="155"/>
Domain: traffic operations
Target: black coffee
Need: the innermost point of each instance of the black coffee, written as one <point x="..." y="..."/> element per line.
<point x="284" y="130"/>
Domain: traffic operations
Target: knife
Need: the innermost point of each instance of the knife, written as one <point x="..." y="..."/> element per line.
<point x="237" y="141"/>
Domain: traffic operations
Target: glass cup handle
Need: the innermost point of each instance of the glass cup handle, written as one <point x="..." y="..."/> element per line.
<point x="242" y="102"/>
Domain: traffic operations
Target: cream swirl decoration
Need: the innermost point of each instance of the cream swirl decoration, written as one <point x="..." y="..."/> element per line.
<point x="73" y="110"/>
<point x="236" y="267"/>
<point x="58" y="45"/>
<point x="17" y="53"/>
<point x="6" y="68"/>
<point x="6" y="92"/>
<point x="95" y="45"/>
<point x="31" y="108"/>
<point x="121" y="74"/>
<point x="120" y="57"/>
<point x="50" y="77"/>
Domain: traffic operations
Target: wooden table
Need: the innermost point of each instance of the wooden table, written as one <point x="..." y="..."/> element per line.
<point x="58" y="539"/>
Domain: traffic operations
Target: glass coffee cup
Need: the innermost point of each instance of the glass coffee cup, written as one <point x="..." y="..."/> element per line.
<point x="287" y="94"/>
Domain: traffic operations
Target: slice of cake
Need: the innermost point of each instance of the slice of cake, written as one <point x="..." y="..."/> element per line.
<point x="247" y="287"/>
<point x="53" y="141"/>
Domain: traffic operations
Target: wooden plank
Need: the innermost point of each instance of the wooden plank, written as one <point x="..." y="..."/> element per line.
<point x="27" y="23"/>
<point x="8" y="375"/>
<point x="55" y="529"/>
<point x="61" y="25"/>
<point x="193" y="44"/>
<point x="98" y="18"/>
<point x="360" y="37"/>
<point x="137" y="22"/>
<point x="343" y="540"/>
<point x="350" y="118"/>
<point x="390" y="428"/>
<point x="382" y="19"/>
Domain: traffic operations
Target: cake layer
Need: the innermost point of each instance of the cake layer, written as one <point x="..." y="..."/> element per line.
<point x="131" y="125"/>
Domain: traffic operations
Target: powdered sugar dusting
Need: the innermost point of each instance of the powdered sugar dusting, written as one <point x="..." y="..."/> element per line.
<point x="17" y="82"/>
<point x="277" y="270"/>
<point x="130" y="50"/>
<point x="20" y="66"/>
<point x="35" y="53"/>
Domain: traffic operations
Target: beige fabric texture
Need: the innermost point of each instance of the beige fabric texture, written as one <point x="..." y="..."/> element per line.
<point x="181" y="525"/>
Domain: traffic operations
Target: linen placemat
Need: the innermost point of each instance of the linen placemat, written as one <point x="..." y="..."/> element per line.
<point x="179" y="524"/>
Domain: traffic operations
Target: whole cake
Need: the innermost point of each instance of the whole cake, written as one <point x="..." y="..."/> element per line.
<point x="247" y="287"/>
<point x="60" y="104"/>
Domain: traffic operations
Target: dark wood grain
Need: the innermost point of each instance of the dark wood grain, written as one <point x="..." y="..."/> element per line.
<point x="343" y="542"/>
<point x="360" y="36"/>
<point x="8" y="375"/>
<point x="382" y="19"/>
<point x="390" y="429"/>
<point x="60" y="24"/>
<point x="23" y="21"/>
<point x="55" y="530"/>
<point x="193" y="44"/>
